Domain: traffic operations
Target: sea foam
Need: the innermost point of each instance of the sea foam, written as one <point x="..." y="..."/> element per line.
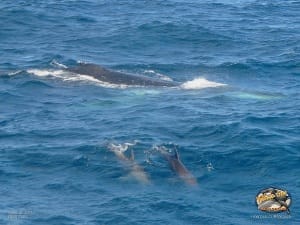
<point x="199" y="83"/>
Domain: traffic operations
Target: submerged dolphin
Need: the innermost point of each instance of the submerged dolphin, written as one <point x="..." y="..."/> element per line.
<point x="177" y="166"/>
<point x="135" y="169"/>
<point x="119" y="78"/>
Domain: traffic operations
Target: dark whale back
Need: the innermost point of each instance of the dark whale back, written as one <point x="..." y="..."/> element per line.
<point x="119" y="78"/>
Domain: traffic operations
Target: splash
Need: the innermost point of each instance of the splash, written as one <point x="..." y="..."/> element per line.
<point x="200" y="83"/>
<point x="121" y="147"/>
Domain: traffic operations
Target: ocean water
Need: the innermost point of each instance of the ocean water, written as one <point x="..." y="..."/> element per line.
<point x="235" y="120"/>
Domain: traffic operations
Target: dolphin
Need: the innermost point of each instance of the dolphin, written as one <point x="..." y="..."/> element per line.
<point x="177" y="166"/>
<point x="135" y="169"/>
<point x="273" y="205"/>
<point x="267" y="205"/>
<point x="119" y="78"/>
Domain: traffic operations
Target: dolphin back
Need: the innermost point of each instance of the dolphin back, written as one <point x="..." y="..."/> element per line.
<point x="177" y="166"/>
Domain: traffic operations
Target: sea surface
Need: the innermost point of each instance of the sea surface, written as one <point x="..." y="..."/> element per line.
<point x="234" y="120"/>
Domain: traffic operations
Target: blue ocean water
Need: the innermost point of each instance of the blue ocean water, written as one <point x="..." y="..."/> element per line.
<point x="237" y="139"/>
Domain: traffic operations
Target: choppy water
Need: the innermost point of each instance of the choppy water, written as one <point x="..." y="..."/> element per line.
<point x="56" y="131"/>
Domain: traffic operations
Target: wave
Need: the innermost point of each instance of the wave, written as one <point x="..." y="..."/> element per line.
<point x="34" y="84"/>
<point x="17" y="72"/>
<point x="9" y="96"/>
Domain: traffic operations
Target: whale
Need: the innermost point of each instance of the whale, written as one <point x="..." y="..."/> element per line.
<point x="136" y="171"/>
<point x="119" y="78"/>
<point x="177" y="166"/>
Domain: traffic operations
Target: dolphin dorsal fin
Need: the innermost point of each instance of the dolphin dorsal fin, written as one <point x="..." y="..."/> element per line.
<point x="176" y="155"/>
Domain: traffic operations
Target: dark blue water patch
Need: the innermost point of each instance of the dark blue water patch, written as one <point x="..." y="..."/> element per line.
<point x="34" y="160"/>
<point x="266" y="120"/>
<point x="175" y="29"/>
<point x="36" y="85"/>
<point x="7" y="96"/>
<point x="98" y="161"/>
<point x="61" y="219"/>
<point x="6" y="175"/>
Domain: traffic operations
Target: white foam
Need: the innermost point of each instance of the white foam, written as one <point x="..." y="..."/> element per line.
<point x="200" y="83"/>
<point x="73" y="77"/>
<point x="46" y="73"/>
<point x="14" y="73"/>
